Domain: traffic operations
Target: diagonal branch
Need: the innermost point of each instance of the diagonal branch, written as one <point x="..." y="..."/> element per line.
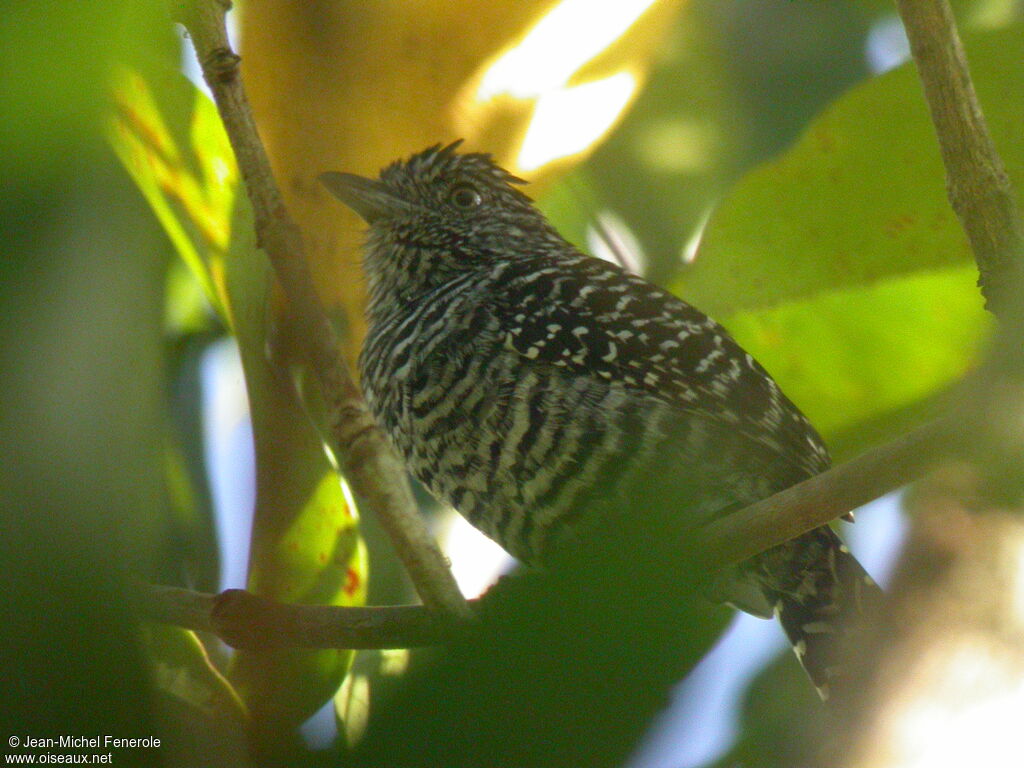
<point x="245" y="620"/>
<point x="366" y="459"/>
<point x="825" y="497"/>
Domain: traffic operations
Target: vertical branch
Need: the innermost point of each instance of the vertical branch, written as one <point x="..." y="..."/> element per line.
<point x="945" y="667"/>
<point x="976" y="180"/>
<point x="366" y="459"/>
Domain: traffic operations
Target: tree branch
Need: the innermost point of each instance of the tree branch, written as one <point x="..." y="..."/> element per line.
<point x="981" y="194"/>
<point x="976" y="181"/>
<point x="245" y="620"/>
<point x="366" y="459"/>
<point x="948" y="654"/>
<point x="825" y="497"/>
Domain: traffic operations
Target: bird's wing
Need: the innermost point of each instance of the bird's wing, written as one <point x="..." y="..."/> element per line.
<point x="597" y="319"/>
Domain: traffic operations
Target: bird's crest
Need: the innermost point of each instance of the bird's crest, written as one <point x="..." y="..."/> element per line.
<point x="443" y="159"/>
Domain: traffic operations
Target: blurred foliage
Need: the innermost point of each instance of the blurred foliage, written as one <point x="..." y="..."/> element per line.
<point x="208" y="718"/>
<point x="193" y="194"/>
<point x="782" y="717"/>
<point x="725" y="95"/>
<point x="566" y="668"/>
<point x="81" y="484"/>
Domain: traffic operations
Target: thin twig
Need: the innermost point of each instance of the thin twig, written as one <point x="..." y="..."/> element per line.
<point x="976" y="179"/>
<point x="173" y="605"/>
<point x="366" y="459"/>
<point x="825" y="497"/>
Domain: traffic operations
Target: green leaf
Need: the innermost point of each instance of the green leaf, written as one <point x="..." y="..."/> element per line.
<point x="851" y="356"/>
<point x="186" y="306"/>
<point x="859" y="198"/>
<point x="183" y="670"/>
<point x="218" y="172"/>
<point x="352" y="708"/>
<point x="840" y="264"/>
<point x="319" y="558"/>
<point x="199" y="709"/>
<point x="193" y="207"/>
<point x="305" y="545"/>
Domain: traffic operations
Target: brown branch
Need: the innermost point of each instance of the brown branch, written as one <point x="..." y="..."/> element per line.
<point x="825" y="497"/>
<point x="984" y="201"/>
<point x="951" y="600"/>
<point x="976" y="179"/>
<point x="244" y="620"/>
<point x="247" y="621"/>
<point x="367" y="461"/>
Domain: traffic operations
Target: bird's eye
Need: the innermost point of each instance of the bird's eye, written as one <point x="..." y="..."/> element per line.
<point x="465" y="198"/>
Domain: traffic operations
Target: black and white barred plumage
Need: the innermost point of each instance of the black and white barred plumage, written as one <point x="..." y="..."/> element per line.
<point x="535" y="388"/>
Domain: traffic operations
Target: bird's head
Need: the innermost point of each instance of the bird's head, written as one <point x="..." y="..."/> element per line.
<point x="438" y="214"/>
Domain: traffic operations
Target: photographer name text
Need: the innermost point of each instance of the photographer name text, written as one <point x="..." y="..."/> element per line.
<point x="86" y="742"/>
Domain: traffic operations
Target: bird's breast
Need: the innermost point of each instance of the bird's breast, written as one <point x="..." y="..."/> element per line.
<point x="517" y="448"/>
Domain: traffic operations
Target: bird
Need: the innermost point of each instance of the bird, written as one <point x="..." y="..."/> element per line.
<point x="535" y="388"/>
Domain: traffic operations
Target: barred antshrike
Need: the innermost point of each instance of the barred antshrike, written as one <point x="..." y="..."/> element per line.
<point x="533" y="387"/>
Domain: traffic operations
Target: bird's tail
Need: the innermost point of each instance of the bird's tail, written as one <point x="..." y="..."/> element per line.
<point x="819" y="592"/>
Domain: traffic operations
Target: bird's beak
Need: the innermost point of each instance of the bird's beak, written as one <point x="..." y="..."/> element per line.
<point x="367" y="197"/>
